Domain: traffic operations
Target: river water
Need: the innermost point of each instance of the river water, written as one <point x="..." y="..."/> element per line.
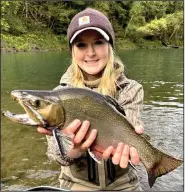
<point x="24" y="163"/>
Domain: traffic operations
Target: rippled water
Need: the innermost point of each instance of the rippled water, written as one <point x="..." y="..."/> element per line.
<point x="23" y="159"/>
<point x="165" y="126"/>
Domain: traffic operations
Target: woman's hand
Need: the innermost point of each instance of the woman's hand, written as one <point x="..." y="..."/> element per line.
<point x="123" y="153"/>
<point x="120" y="156"/>
<point x="44" y="131"/>
<point x="81" y="141"/>
<point x="79" y="131"/>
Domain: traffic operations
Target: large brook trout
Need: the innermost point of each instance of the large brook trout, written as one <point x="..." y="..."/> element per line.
<point x="60" y="107"/>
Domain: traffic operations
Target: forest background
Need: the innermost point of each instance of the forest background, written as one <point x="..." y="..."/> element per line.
<point x="42" y="25"/>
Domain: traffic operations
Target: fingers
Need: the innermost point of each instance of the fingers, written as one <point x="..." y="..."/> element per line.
<point x="134" y="156"/>
<point x="80" y="135"/>
<point x="82" y="138"/>
<point x="107" y="153"/>
<point x="90" y="140"/>
<point x="117" y="155"/>
<point x="72" y="127"/>
<point x="139" y="129"/>
<point x="44" y="131"/>
<point x="125" y="157"/>
<point x="122" y="155"/>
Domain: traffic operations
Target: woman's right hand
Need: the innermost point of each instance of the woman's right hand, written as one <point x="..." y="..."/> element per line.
<point x="79" y="131"/>
<point x="120" y="154"/>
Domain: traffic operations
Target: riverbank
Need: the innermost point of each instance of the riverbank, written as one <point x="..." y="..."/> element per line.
<point x="46" y="41"/>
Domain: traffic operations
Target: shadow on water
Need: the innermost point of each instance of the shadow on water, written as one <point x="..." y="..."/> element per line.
<point x="23" y="159"/>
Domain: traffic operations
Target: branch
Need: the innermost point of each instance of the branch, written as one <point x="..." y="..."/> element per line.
<point x="33" y="16"/>
<point x="176" y="29"/>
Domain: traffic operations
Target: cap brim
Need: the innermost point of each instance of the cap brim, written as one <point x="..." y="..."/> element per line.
<point x="93" y="28"/>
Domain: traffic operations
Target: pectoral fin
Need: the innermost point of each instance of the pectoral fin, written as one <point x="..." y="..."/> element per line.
<point x="64" y="141"/>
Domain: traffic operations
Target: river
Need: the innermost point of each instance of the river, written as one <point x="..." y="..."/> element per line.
<point x="24" y="163"/>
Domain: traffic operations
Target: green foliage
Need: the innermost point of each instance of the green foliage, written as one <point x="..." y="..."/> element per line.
<point x="125" y="44"/>
<point x="156" y="27"/>
<point x="102" y="6"/>
<point x="4" y="24"/>
<point x="34" y="42"/>
<point x="148" y="44"/>
<point x="12" y="21"/>
<point x="24" y="22"/>
<point x="164" y="28"/>
<point x="150" y="20"/>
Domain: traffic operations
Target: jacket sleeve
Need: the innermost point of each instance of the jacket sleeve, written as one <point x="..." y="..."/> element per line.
<point x="53" y="152"/>
<point x="131" y="99"/>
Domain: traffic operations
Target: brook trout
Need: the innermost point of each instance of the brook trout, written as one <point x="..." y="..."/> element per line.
<point x="58" y="108"/>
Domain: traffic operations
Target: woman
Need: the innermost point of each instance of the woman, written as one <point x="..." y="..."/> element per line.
<point x="95" y="66"/>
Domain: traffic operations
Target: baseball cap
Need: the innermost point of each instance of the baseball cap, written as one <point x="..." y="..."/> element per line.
<point x="90" y="19"/>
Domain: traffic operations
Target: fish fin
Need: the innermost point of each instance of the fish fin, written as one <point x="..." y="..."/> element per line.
<point x="147" y="137"/>
<point x="162" y="167"/>
<point x="113" y="102"/>
<point x="95" y="155"/>
<point x="63" y="140"/>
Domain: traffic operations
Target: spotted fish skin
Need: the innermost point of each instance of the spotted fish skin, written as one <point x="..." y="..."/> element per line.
<point x="60" y="107"/>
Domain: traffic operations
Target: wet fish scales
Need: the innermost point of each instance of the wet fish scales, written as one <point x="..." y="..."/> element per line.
<point x="105" y="115"/>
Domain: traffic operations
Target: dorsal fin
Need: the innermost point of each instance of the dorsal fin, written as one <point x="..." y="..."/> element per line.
<point x="113" y="102"/>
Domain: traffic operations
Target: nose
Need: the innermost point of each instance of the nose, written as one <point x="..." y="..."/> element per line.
<point x="90" y="51"/>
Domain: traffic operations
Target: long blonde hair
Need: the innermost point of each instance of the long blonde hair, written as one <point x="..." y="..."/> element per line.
<point x="107" y="85"/>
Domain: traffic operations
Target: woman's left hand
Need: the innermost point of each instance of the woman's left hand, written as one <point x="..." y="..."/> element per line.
<point x="123" y="153"/>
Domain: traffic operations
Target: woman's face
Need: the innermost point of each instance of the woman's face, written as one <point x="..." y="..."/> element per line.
<point x="91" y="52"/>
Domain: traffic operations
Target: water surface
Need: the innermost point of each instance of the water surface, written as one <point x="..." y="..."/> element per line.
<point x="23" y="159"/>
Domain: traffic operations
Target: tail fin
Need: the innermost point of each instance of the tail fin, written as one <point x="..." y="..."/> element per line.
<point x="162" y="167"/>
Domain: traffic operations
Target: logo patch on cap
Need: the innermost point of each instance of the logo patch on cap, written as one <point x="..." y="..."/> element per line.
<point x="83" y="20"/>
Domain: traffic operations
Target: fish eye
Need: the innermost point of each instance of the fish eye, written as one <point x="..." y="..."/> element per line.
<point x="37" y="103"/>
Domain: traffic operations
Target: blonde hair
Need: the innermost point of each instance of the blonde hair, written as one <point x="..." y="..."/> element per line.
<point x="108" y="80"/>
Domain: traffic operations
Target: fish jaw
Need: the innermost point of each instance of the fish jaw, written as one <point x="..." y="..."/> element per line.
<point x="20" y="118"/>
<point x="16" y="95"/>
<point x="33" y="114"/>
<point x="31" y="117"/>
<point x="41" y="108"/>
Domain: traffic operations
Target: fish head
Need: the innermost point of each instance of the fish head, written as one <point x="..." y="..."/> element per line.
<point x="42" y="108"/>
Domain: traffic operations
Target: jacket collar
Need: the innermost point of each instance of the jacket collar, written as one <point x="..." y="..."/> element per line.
<point x="121" y="82"/>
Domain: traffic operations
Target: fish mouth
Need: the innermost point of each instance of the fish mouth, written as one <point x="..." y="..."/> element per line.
<point x="15" y="95"/>
<point x="20" y="118"/>
<point x="31" y="117"/>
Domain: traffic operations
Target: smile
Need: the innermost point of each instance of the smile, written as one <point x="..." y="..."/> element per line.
<point x="92" y="61"/>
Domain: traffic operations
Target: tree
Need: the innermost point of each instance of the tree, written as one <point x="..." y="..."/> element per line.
<point x="164" y="28"/>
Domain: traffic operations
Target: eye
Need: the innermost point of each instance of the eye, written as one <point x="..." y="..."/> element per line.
<point x="81" y="45"/>
<point x="99" y="42"/>
<point x="37" y="103"/>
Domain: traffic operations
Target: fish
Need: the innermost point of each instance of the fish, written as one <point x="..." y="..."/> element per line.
<point x="56" y="109"/>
